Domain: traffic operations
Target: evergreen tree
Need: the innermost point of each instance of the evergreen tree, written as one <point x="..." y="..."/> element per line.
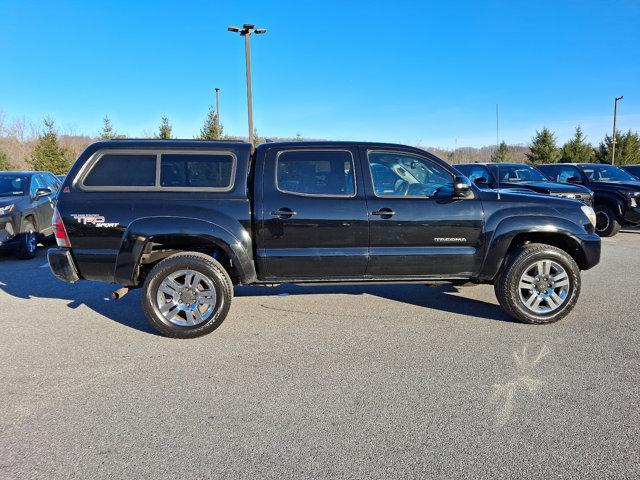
<point x="107" y="133"/>
<point x="5" y="164"/>
<point x="164" y="132"/>
<point x="502" y="154"/>
<point x="577" y="150"/>
<point x="627" y="149"/>
<point x="212" y="128"/>
<point x="543" y="148"/>
<point x="48" y="154"/>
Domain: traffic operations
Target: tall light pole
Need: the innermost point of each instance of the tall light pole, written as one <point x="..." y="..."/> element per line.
<point x="217" y="117"/>
<point x="613" y="138"/>
<point x="246" y="31"/>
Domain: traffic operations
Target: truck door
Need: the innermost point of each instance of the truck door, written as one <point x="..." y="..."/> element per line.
<point x="311" y="212"/>
<point x="417" y="227"/>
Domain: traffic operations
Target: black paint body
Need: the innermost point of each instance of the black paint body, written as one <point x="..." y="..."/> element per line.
<point x="327" y="239"/>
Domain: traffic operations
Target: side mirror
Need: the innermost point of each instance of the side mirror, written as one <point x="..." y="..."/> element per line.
<point x="461" y="187"/>
<point x="573" y="180"/>
<point x="481" y="181"/>
<point x="43" y="192"/>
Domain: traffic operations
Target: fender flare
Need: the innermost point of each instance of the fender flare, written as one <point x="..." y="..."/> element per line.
<point x="23" y="216"/>
<point x="143" y="230"/>
<point x="509" y="227"/>
<point x="612" y="200"/>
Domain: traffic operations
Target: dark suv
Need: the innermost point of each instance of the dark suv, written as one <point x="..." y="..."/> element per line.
<point x="26" y="208"/>
<point x="616" y="192"/>
<point x="520" y="176"/>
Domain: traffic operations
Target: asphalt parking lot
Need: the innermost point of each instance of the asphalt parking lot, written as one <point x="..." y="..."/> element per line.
<point x="396" y="381"/>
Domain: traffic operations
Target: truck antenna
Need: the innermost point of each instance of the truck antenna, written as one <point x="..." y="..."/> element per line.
<point x="497" y="158"/>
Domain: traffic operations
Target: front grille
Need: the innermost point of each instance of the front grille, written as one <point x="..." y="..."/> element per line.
<point x="582" y="197"/>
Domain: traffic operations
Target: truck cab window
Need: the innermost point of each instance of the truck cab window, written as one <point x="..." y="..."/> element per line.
<point x="400" y="174"/>
<point x="316" y="172"/>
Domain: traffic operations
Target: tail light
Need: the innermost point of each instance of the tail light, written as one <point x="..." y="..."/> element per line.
<point x="62" y="239"/>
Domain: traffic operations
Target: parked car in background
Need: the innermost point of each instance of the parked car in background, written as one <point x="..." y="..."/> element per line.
<point x="616" y="192"/>
<point x="522" y="177"/>
<point x="26" y="208"/>
<point x="632" y="169"/>
<point x="195" y="218"/>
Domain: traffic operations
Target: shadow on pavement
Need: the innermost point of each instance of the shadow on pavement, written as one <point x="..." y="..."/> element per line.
<point x="437" y="298"/>
<point x="32" y="279"/>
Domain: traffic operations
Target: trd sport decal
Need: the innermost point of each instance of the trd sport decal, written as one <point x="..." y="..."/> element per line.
<point x="94" y="219"/>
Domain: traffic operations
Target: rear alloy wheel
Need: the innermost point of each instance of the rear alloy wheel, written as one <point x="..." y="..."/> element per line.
<point x="28" y="242"/>
<point x="187" y="295"/>
<point x="607" y="224"/>
<point x="538" y="284"/>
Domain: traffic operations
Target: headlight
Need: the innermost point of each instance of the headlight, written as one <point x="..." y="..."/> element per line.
<point x="7" y="209"/>
<point x="590" y="213"/>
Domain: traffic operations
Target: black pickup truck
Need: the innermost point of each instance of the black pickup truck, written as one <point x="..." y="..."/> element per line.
<point x="187" y="220"/>
<point x="616" y="192"/>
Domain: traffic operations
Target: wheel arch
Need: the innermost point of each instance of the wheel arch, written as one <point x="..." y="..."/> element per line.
<point x="515" y="232"/>
<point x="147" y="241"/>
<point x="611" y="200"/>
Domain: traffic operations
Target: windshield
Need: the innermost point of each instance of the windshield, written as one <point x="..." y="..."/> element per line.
<point x="473" y="172"/>
<point x="518" y="173"/>
<point x="606" y="173"/>
<point x="13" y="185"/>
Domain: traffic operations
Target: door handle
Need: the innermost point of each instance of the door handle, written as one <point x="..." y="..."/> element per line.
<point x="384" y="213"/>
<point x="283" y="213"/>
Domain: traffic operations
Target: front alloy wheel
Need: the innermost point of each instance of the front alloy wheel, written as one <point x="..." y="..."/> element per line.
<point x="538" y="283"/>
<point x="544" y="286"/>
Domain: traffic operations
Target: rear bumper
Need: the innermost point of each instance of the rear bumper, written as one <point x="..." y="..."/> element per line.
<point x="591" y="246"/>
<point x="62" y="264"/>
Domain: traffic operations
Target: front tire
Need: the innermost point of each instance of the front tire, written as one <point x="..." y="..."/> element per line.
<point x="187" y="295"/>
<point x="28" y="242"/>
<point x="538" y="284"/>
<point x="607" y="224"/>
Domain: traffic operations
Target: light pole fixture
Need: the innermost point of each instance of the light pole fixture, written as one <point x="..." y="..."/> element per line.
<point x="246" y="31"/>
<point x="217" y="117"/>
<point x="613" y="138"/>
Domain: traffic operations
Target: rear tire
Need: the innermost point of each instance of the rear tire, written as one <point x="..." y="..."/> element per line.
<point x="607" y="224"/>
<point x="538" y="284"/>
<point x="27" y="242"/>
<point x="187" y="295"/>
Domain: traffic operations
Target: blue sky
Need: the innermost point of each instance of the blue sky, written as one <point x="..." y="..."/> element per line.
<point x="409" y="72"/>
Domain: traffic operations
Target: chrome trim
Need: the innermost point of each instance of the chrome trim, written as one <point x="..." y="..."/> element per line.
<point x="95" y="157"/>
